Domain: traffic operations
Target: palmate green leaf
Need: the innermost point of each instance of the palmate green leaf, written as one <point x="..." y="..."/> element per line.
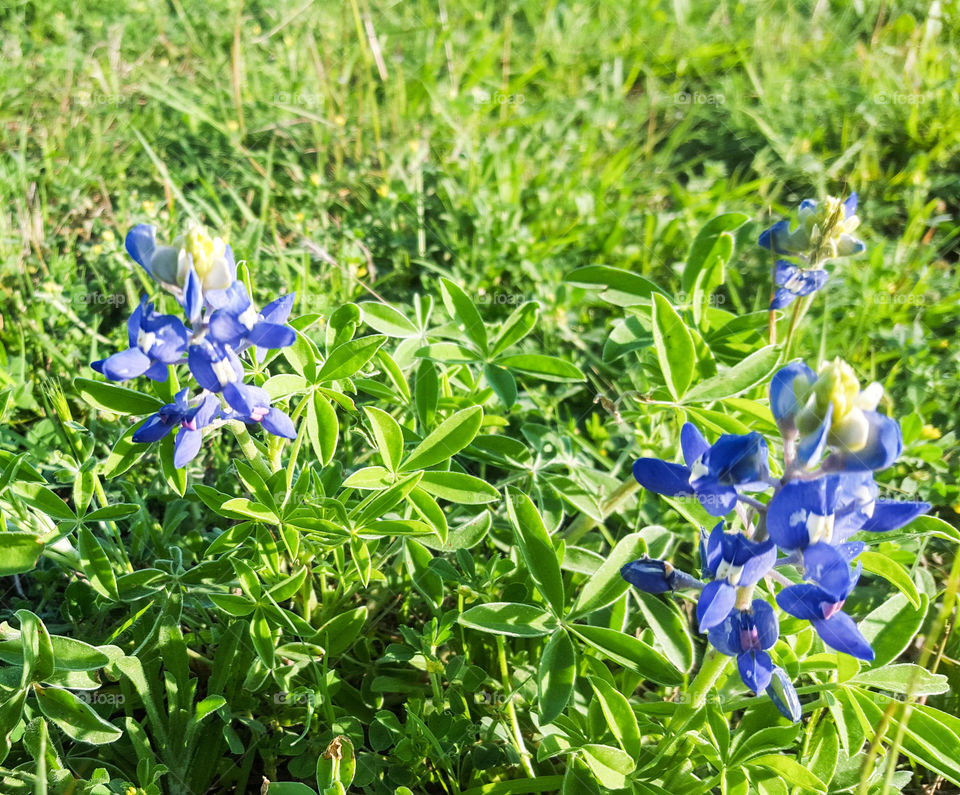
<point x="669" y="627"/>
<point x="96" y="565"/>
<point x="389" y="437"/>
<point x="347" y="359"/>
<point x="824" y="752"/>
<point x="463" y="535"/>
<point x="19" y="552"/>
<point x="606" y="585"/>
<point x="536" y="548"/>
<point x="462" y="310"/>
<point x="674" y="346"/>
<point x="893" y="573"/>
<point x="630" y="652"/>
<point x="891" y="627"/>
<point x="619" y="715"/>
<point x="619" y="287"/>
<point x="38" y="496"/>
<point x="502" y="382"/>
<point x="386" y="319"/>
<point x="458" y="487"/>
<point x="753" y="370"/>
<point x="610" y="765"/>
<point x="556" y="675"/>
<point x="548" y="368"/>
<point x="448" y="439"/>
<point x="903" y="679"/>
<point x="37" y="648"/>
<point x="713" y="240"/>
<point x="116" y="399"/>
<point x="75" y="718"/>
<point x="790" y="770"/>
<point x="516" y="327"/>
<point x="510" y="618"/>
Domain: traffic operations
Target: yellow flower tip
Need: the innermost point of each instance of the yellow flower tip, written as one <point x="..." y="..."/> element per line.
<point x="414" y="146"/>
<point x="288" y="41"/>
<point x="256" y="30"/>
<point x="299" y="218"/>
<point x="96" y="249"/>
<point x="233" y="125"/>
<point x="315" y="179"/>
<point x="108" y="236"/>
<point x="340" y="120"/>
<point x="147" y="206"/>
<point x="956" y="508"/>
<point x="384" y="190"/>
<point x="929" y="432"/>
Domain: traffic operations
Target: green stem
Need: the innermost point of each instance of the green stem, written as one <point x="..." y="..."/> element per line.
<point x="714" y="664"/>
<point x="511" y="712"/>
<point x="583" y="524"/>
<point x="256" y="458"/>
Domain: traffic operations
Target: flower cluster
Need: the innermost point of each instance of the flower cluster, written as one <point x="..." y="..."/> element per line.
<point x="824" y="231"/>
<point x="833" y="441"/>
<point x="221" y="324"/>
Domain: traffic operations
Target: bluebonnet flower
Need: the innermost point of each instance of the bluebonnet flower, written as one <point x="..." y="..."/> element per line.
<point x="793" y="282"/>
<point x="746" y="635"/>
<point x="714" y="473"/>
<point x="200" y="272"/>
<point x="657" y="576"/>
<point x="211" y="259"/>
<point x="830" y="410"/>
<point x="237" y="323"/>
<point x="156" y="341"/>
<point x="191" y="417"/>
<point x="823" y="608"/>
<point x="824" y="228"/>
<point x="735" y="562"/>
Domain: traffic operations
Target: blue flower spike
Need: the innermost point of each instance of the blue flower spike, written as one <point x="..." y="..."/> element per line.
<point x="824" y="229"/>
<point x="746" y="635"/>
<point x="221" y="324"/>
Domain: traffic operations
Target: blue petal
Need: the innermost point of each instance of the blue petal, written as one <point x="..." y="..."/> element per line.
<point x="784" y="695"/>
<point x="244" y="398"/>
<point x="716" y="602"/>
<point x="782" y="298"/>
<point x="133" y="323"/>
<point x="153" y="430"/>
<point x="140" y="243"/>
<point x="712" y="550"/>
<point x="271" y="335"/>
<point x="226" y="328"/>
<point x="199" y="359"/>
<point x="765" y="620"/>
<point x="783" y="397"/>
<point x="692" y="443"/>
<point x="738" y="459"/>
<point x="775" y="237"/>
<point x="205" y="412"/>
<point x="840" y="632"/>
<point x="716" y="499"/>
<point x="883" y="447"/>
<point x="891" y="514"/>
<point x="764" y="558"/>
<point x="192" y="297"/>
<point x="725" y="636"/>
<point x="811" y="447"/>
<point x="278" y="310"/>
<point x="789" y="508"/>
<point x="827" y="568"/>
<point x="157" y="372"/>
<point x="803" y="601"/>
<point x="186" y="447"/>
<point x="279" y="424"/>
<point x="850" y="205"/>
<point x="661" y="477"/>
<point x="784" y="271"/>
<point x="125" y="364"/>
<point x="848" y="245"/>
<point x="756" y="669"/>
<point x="648" y="575"/>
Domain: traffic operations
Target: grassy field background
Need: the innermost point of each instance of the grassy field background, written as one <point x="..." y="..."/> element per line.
<point x="358" y="148"/>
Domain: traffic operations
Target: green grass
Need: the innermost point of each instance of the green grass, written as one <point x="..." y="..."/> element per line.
<point x="346" y="148"/>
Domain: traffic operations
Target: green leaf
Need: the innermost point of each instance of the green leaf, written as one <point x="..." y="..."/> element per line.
<point x="606" y="585"/>
<point x="620" y="287"/>
<point x="712" y="241"/>
<point x="549" y="368"/>
<point x="502" y="382"/>
<point x="426" y="392"/>
<point x="234" y="604"/>
<point x="516" y="327"/>
<point x="387" y="320"/>
<point x="40" y="497"/>
<point x="620" y="717"/>
<point x="891" y="627"/>
<point x="753" y="370"/>
<point x="116" y="399"/>
<point x="350" y="357"/>
<point x="75" y="718"/>
<point x="674" y="346"/>
<point x="458" y="487"/>
<point x="262" y="637"/>
<point x="242" y="508"/>
<point x="556" y="676"/>
<point x="824" y="752"/>
<point x="125" y="453"/>
<point x="790" y="770"/>
<point x="610" y="765"/>
<point x="509" y="618"/>
<point x="630" y="652"/>
<point x="96" y="565"/>
<point x="893" y="572"/>
<point x="342" y="630"/>
<point x="289" y="788"/>
<point x="117" y="510"/>
<point x="176" y="478"/>
<point x="449" y="438"/>
<point x="904" y="679"/>
<point x="463" y="311"/>
<point x="323" y="428"/>
<point x="536" y="548"/>
<point x="389" y="437"/>
<point x="670" y="629"/>
<point x="19" y="552"/>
